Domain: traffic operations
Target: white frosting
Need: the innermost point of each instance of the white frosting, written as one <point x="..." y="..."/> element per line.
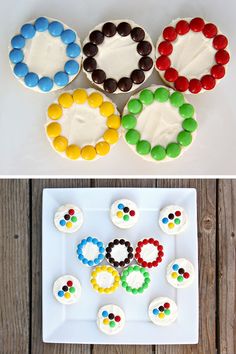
<point x="59" y="215"/>
<point x="105" y="328"/>
<point x="149" y="252"/>
<point x="119" y="253"/>
<point x="104" y="279"/>
<point x="45" y="55"/>
<point x="178" y="228"/>
<point x="158" y="123"/>
<point x="168" y="319"/>
<point x="118" y="56"/>
<point x="135" y="279"/>
<point x="120" y="222"/>
<point x="62" y="281"/>
<point x="187" y="266"/>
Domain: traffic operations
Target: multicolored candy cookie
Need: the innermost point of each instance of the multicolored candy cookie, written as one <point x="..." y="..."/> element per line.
<point x="105" y="279"/>
<point x="67" y="289"/>
<point x="173" y="219"/>
<point x="110" y="319"/>
<point x="180" y="273"/>
<point x="162" y="311"/>
<point x="119" y="252"/>
<point x="91" y="251"/>
<point x="124" y="213"/>
<point x="135" y="279"/>
<point x="68" y="218"/>
<point x="149" y="253"/>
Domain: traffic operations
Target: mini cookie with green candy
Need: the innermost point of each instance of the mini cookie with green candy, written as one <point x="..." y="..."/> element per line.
<point x="173" y="219"/>
<point x="162" y="311"/>
<point x="135" y="279"/>
<point x="159" y="124"/>
<point x="124" y="213"/>
<point x="180" y="273"/>
<point x="67" y="289"/>
<point x="110" y="319"/>
<point x="68" y="218"/>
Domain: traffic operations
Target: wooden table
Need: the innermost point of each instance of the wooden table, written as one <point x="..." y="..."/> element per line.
<point x="20" y="267"/>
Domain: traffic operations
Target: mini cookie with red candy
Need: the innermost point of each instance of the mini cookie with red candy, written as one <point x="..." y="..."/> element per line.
<point x="180" y="273"/>
<point x="110" y="319"/>
<point x="162" y="311"/>
<point x="124" y="213"/>
<point x="68" y="218"/>
<point x="192" y="55"/>
<point x="149" y="253"/>
<point x="173" y="219"/>
<point x="119" y="253"/>
<point x="67" y="289"/>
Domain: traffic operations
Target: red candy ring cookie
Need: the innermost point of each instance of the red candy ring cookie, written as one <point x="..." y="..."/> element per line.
<point x="149" y="253"/>
<point x="192" y="55"/>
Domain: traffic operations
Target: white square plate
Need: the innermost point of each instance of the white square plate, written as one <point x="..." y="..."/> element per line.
<point x="77" y="323"/>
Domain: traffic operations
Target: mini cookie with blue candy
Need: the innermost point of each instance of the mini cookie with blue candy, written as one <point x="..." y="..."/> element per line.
<point x="173" y="219"/>
<point x="45" y="55"/>
<point x="68" y="218"/>
<point x="124" y="213"/>
<point x="67" y="289"/>
<point x="110" y="319"/>
<point x="91" y="251"/>
<point x="162" y="311"/>
<point x="180" y="273"/>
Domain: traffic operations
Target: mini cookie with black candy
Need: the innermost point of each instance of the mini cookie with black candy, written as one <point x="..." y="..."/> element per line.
<point x="135" y="279"/>
<point x="68" y="218"/>
<point x="119" y="56"/>
<point x="105" y="279"/>
<point x="119" y="253"/>
<point x="124" y="213"/>
<point x="159" y="124"/>
<point x="173" y="219"/>
<point x="162" y="311"/>
<point x="180" y="273"/>
<point x="45" y="55"/>
<point x="149" y="253"/>
<point x="192" y="55"/>
<point x="110" y="319"/>
<point x="67" y="289"/>
<point x="90" y="251"/>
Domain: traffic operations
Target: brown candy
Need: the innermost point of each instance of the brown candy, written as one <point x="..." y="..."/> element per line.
<point x="129" y="257"/>
<point x="98" y="76"/>
<point x="90" y="64"/>
<point x="110" y="85"/>
<point x="125" y="84"/>
<point x="144" y="48"/>
<point x="90" y="49"/>
<point x="145" y="63"/>
<point x="137" y="34"/>
<point x="137" y="76"/>
<point x="109" y="29"/>
<point x="96" y="37"/>
<point x="124" y="29"/>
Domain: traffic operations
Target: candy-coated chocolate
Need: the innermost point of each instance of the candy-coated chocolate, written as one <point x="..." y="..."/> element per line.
<point x="21" y="69"/>
<point x="68" y="36"/>
<point x="137" y="34"/>
<point x="195" y="86"/>
<point x="109" y="29"/>
<point x="110" y="85"/>
<point x="55" y="28"/>
<point x="173" y="150"/>
<point x="88" y="152"/>
<point x="28" y="31"/>
<point x="137" y="76"/>
<point x="169" y="34"/>
<point x="45" y="84"/>
<point x="80" y="96"/>
<point x="143" y="147"/>
<point x="41" y="24"/>
<point x="90" y="49"/>
<point x="95" y="99"/>
<point x="90" y="64"/>
<point x="129" y="121"/>
<point x="144" y="48"/>
<point x="66" y="100"/>
<point x="165" y="48"/>
<point x="209" y="30"/>
<point x="60" y="143"/>
<point x="102" y="148"/>
<point x="96" y="37"/>
<point x="71" y="67"/>
<point x="73" y="152"/>
<point x="107" y="109"/>
<point x="111" y="136"/>
<point x="161" y="94"/>
<point x="16" y="56"/>
<point x="177" y="99"/>
<point x="61" y="78"/>
<point x="113" y="121"/>
<point x="53" y="130"/>
<point x="125" y="84"/>
<point x="182" y="27"/>
<point x="124" y="29"/>
<point x="73" y="50"/>
<point x="54" y="111"/>
<point x="158" y="152"/>
<point x="146" y="97"/>
<point x="98" y="76"/>
<point x="181" y="84"/>
<point x="135" y="106"/>
<point x="186" y="110"/>
<point x="132" y="136"/>
<point x="31" y="79"/>
<point x="145" y="63"/>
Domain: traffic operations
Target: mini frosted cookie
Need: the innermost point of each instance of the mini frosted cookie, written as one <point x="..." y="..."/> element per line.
<point x="67" y="289"/>
<point x="192" y="55"/>
<point x="135" y="279"/>
<point x="173" y="219"/>
<point x="90" y="251"/>
<point x="159" y="124"/>
<point x="110" y="319"/>
<point x="68" y="218"/>
<point x="82" y="124"/>
<point x="105" y="279"/>
<point x="118" y="55"/>
<point x="180" y="273"/>
<point x="119" y="252"/>
<point x="162" y="311"/>
<point x="45" y="55"/>
<point x="149" y="253"/>
<point x="124" y="213"/>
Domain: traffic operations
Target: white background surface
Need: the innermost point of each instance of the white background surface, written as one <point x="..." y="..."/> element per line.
<point x="77" y="323"/>
<point x="24" y="147"/>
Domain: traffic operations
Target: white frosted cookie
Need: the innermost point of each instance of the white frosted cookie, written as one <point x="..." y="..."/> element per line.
<point x="67" y="289"/>
<point x="110" y="319"/>
<point x="119" y="252"/>
<point x="124" y="213"/>
<point x="180" y="273"/>
<point x="135" y="279"/>
<point x="149" y="252"/>
<point x="90" y="251"/>
<point x="173" y="219"/>
<point x="162" y="311"/>
<point x="105" y="279"/>
<point x="68" y="218"/>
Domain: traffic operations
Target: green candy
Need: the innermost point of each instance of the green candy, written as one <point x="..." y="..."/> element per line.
<point x="142" y="270"/>
<point x="167" y="312"/>
<point x="134" y="291"/>
<point x="140" y="290"/>
<point x="190" y="124"/>
<point x="132" y="136"/>
<point x="126" y="217"/>
<point x="143" y="147"/>
<point x="125" y="273"/>
<point x="146" y="275"/>
<point x="180" y="278"/>
<point x="158" y="153"/>
<point x="136" y="268"/>
<point x="186" y="110"/>
<point x="184" y="138"/>
<point x="124" y="284"/>
<point x="173" y="150"/>
<point x="130" y="269"/>
<point x="161" y="94"/>
<point x="74" y="219"/>
<point x="129" y="121"/>
<point x="135" y="106"/>
<point x="123" y="278"/>
<point x="72" y="290"/>
<point x="177" y="99"/>
<point x="177" y="221"/>
<point x="145" y="285"/>
<point x="147" y="280"/>
<point x="129" y="289"/>
<point x="112" y="324"/>
<point x="146" y="97"/>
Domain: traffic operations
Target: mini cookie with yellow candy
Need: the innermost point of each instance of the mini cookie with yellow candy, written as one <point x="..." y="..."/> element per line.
<point x="82" y="124"/>
<point x="124" y="213"/>
<point x="105" y="279"/>
<point x="68" y="218"/>
<point x="173" y="219"/>
<point x="67" y="289"/>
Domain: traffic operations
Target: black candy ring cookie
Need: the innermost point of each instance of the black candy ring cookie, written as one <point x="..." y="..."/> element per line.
<point x="118" y="56"/>
<point x="119" y="253"/>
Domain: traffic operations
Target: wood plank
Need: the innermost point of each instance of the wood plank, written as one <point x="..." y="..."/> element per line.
<point x="227" y="267"/>
<point x="37" y="346"/>
<point x="14" y="266"/>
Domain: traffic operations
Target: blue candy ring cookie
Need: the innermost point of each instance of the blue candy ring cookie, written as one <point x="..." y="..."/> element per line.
<point x="45" y="55"/>
<point x="91" y="251"/>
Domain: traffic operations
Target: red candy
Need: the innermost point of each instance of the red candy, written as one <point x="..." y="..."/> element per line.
<point x="151" y="240"/>
<point x="160" y="248"/>
<point x="139" y="249"/>
<point x="218" y="71"/>
<point x="165" y="48"/>
<point x="222" y="57"/>
<point x="71" y="211"/>
<point x="197" y="24"/>
<point x="160" y="254"/>
<point x="195" y="86"/>
<point x="149" y="264"/>
<point x="154" y="263"/>
<point x="69" y="283"/>
<point x="145" y="241"/>
<point x="208" y="82"/>
<point x="220" y="42"/>
<point x="186" y="275"/>
<point x="177" y="213"/>
<point x="163" y="62"/>
<point x="181" y="84"/>
<point x="140" y="243"/>
<point x="132" y="213"/>
<point x="166" y="305"/>
<point x="156" y="243"/>
<point x="171" y="75"/>
<point x="144" y="264"/>
<point x="182" y="27"/>
<point x="169" y="34"/>
<point x="209" y="30"/>
<point x="117" y="318"/>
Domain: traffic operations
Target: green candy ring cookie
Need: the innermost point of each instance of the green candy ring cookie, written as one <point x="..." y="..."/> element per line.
<point x="159" y="124"/>
<point x="135" y="279"/>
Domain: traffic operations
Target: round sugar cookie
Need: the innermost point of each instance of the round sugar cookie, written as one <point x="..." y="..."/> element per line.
<point x="124" y="213"/>
<point x="90" y="251"/>
<point x="173" y="219"/>
<point x="105" y="279"/>
<point x="149" y="253"/>
<point x="135" y="279"/>
<point x="67" y="289"/>
<point x="68" y="218"/>
<point x="119" y="253"/>
<point x="180" y="273"/>
<point x="110" y="319"/>
<point x="162" y="311"/>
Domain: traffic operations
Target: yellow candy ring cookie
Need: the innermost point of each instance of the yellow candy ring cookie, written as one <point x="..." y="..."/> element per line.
<point x="82" y="124"/>
<point x="105" y="279"/>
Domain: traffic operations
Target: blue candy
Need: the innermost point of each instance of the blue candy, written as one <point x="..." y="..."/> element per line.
<point x="60" y="293"/>
<point x="73" y="50"/>
<point x="90" y="263"/>
<point x="94" y="241"/>
<point x="55" y="28"/>
<point x="21" y="69"/>
<point x="68" y="36"/>
<point x="89" y="239"/>
<point x="62" y="222"/>
<point x="71" y="67"/>
<point x="165" y="220"/>
<point x="85" y="261"/>
<point x="83" y="242"/>
<point x="175" y="267"/>
<point x="120" y="206"/>
<point x="31" y="80"/>
<point x="96" y="260"/>
<point x="101" y="249"/>
<point x="81" y="257"/>
<point x="45" y="84"/>
<point x="100" y="257"/>
<point x="16" y="56"/>
<point x="155" y="311"/>
<point x="100" y="244"/>
<point x="61" y="78"/>
<point x="18" y="41"/>
<point x="105" y="314"/>
<point x="28" y="31"/>
<point x="41" y="24"/>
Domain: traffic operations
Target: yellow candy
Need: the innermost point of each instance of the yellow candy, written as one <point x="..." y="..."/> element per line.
<point x="53" y="130"/>
<point x="111" y="136"/>
<point x="95" y="286"/>
<point x="174" y="275"/>
<point x="114" y="273"/>
<point x="98" y="269"/>
<point x="80" y="96"/>
<point x="101" y="290"/>
<point x="113" y="121"/>
<point x="117" y="278"/>
<point x="95" y="100"/>
<point x="69" y="224"/>
<point x="112" y="289"/>
<point x="106" y="109"/>
<point x="60" y="143"/>
<point x="171" y="225"/>
<point x="119" y="214"/>
<point x="88" y="152"/>
<point x="107" y="290"/>
<point x="65" y="100"/>
<point x="106" y="321"/>
<point x="94" y="273"/>
<point x="102" y="148"/>
<point x="67" y="295"/>
<point x="73" y="152"/>
<point x="109" y="269"/>
<point x="161" y="315"/>
<point x="116" y="283"/>
<point x="54" y="111"/>
<point x="93" y="281"/>
<point x="103" y="267"/>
